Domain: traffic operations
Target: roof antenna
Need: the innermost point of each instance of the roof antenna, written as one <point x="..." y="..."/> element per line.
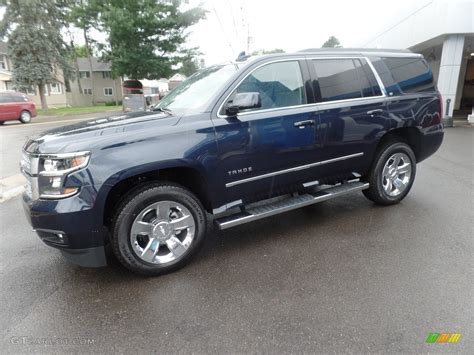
<point x="242" y="57"/>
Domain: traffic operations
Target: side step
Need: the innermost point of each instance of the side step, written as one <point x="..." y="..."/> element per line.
<point x="289" y="204"/>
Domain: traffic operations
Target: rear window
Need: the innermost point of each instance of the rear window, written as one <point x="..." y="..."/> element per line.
<point x="411" y="74"/>
<point x="342" y="79"/>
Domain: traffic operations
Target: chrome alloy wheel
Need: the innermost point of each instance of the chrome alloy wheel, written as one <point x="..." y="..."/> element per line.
<point x="162" y="232"/>
<point x="396" y="174"/>
<point x="25" y="117"/>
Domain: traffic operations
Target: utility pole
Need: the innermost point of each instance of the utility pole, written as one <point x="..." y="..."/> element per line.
<point x="249" y="39"/>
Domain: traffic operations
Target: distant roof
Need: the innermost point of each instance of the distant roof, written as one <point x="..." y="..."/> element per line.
<point x="97" y="64"/>
<point x="178" y="77"/>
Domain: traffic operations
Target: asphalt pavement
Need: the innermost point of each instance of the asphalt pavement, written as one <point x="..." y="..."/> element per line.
<point x="13" y="134"/>
<point x="342" y="276"/>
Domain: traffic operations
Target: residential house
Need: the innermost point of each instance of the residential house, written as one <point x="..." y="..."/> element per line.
<point x="101" y="87"/>
<point x="59" y="94"/>
<point x="5" y="69"/>
<point x="55" y="92"/>
<point x="175" y="80"/>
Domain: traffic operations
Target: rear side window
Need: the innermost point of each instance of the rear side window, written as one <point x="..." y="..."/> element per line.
<point x="368" y="83"/>
<point x="342" y="79"/>
<point x="19" y="98"/>
<point x="411" y="74"/>
<point x="279" y="84"/>
<point x="5" y="98"/>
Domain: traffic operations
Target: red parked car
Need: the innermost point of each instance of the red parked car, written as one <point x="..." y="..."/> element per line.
<point x="16" y="106"/>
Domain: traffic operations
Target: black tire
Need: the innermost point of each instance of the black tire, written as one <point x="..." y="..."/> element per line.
<point x="138" y="200"/>
<point x="25" y="116"/>
<point x="2" y="123"/>
<point x="376" y="191"/>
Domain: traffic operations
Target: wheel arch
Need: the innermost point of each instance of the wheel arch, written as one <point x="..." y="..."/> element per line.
<point x="187" y="176"/>
<point x="409" y="135"/>
<point x="25" y="110"/>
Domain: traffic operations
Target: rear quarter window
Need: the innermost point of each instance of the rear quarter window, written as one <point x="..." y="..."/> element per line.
<point x="410" y="74"/>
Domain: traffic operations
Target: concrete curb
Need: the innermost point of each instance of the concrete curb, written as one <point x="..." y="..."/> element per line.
<point x="11" y="186"/>
<point x="10" y="193"/>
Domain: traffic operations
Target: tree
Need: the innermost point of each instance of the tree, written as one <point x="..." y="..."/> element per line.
<point x="146" y="36"/>
<point x="84" y="15"/>
<point x="332" y="42"/>
<point x="190" y="66"/>
<point x="80" y="51"/>
<point x="35" y="44"/>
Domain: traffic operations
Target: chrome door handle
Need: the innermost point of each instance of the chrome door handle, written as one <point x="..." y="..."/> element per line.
<point x="303" y="124"/>
<point x="375" y="112"/>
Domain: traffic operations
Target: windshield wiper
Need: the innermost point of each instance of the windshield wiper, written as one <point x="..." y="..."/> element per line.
<point x="163" y="109"/>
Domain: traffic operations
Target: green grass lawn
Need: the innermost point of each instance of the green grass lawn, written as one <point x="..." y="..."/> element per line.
<point x="66" y="111"/>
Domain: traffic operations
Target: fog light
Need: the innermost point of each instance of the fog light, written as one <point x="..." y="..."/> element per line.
<point x="53" y="237"/>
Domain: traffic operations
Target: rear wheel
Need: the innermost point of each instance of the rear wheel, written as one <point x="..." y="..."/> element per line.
<point x="25" y="117"/>
<point x="158" y="228"/>
<point x="392" y="174"/>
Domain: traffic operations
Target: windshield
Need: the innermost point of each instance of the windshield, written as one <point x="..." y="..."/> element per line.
<point x="194" y="93"/>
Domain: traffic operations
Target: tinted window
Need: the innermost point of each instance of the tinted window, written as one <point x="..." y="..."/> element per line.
<point x="368" y="83"/>
<point x="341" y="79"/>
<point x="279" y="84"/>
<point x="411" y="74"/>
<point x="391" y="86"/>
<point x="338" y="79"/>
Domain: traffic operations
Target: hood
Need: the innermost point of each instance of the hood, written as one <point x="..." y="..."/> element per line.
<point x="93" y="134"/>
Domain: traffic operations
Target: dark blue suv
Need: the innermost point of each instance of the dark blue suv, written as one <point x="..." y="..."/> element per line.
<point x="233" y="143"/>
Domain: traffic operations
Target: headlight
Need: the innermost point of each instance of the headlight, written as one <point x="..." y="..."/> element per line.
<point x="53" y="170"/>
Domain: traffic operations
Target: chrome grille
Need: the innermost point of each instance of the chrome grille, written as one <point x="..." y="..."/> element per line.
<point x="29" y="168"/>
<point x="25" y="163"/>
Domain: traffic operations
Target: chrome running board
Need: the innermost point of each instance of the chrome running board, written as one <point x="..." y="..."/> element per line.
<point x="289" y="204"/>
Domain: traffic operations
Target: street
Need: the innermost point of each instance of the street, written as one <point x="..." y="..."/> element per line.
<point x="13" y="135"/>
<point x="342" y="276"/>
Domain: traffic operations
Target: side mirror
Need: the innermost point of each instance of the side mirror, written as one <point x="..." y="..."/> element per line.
<point x="243" y="101"/>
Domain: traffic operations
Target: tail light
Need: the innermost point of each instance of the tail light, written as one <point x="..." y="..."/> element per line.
<point x="441" y="114"/>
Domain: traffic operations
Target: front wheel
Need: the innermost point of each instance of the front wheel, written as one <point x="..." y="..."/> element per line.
<point x="392" y="174"/>
<point x="158" y="228"/>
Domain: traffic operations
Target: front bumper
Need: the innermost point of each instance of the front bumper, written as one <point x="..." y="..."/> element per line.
<point x="70" y="225"/>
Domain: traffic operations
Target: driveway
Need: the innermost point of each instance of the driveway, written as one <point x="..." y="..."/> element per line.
<point x="343" y="276"/>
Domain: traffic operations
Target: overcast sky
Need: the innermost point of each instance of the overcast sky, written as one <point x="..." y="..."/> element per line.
<point x="292" y="25"/>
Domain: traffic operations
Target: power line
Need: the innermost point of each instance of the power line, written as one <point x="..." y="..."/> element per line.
<point x="222" y="28"/>
<point x="233" y="19"/>
<point x="399" y="22"/>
